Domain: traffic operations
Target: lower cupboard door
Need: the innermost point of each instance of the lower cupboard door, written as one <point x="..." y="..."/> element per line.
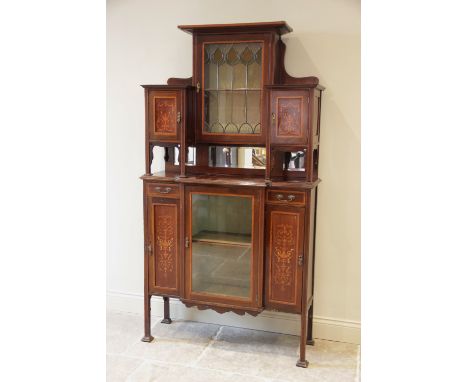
<point x="163" y="259"/>
<point x="284" y="249"/>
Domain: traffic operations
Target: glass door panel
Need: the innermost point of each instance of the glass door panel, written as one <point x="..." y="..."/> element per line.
<point x="232" y="88"/>
<point x="221" y="245"/>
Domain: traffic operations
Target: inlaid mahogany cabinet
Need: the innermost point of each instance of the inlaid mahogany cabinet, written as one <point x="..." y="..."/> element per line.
<point x="230" y="190"/>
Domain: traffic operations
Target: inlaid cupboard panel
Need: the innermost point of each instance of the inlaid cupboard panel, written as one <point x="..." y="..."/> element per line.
<point x="163" y="247"/>
<point x="165" y="115"/>
<point x="285" y="258"/>
<point x="289" y="119"/>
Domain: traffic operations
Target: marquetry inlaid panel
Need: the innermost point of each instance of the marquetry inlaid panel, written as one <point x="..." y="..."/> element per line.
<point x="165" y="245"/>
<point x="289" y="117"/>
<point x="284" y="263"/>
<point x="165" y="115"/>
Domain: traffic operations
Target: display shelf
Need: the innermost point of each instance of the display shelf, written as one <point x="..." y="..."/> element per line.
<point x="224" y="238"/>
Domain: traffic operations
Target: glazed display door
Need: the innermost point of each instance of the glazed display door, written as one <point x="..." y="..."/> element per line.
<point x="230" y="78"/>
<point x="222" y="246"/>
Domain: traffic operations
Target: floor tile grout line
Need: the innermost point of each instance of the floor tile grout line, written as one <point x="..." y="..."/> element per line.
<point x="215" y="338"/>
<point x="169" y="363"/>
<point x="138" y="367"/>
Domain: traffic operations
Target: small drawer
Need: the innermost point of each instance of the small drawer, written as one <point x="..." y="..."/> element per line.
<point x="287" y="197"/>
<point x="166" y="190"/>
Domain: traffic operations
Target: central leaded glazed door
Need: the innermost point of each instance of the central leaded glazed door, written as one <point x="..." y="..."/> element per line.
<point x="223" y="243"/>
<point x="230" y="75"/>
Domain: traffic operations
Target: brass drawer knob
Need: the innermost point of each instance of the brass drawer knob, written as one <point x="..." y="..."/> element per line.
<point x="166" y="190"/>
<point x="279" y="197"/>
<point x="291" y="198"/>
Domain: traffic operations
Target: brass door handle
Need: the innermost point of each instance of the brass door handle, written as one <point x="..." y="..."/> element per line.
<point x="187" y="242"/>
<point x="165" y="191"/>
<point x="273" y="116"/>
<point x="179" y="117"/>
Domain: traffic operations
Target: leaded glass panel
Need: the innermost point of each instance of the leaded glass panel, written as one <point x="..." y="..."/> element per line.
<point x="232" y="88"/>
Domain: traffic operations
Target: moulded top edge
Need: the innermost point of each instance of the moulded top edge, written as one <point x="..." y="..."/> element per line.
<point x="226" y="181"/>
<point x="162" y="86"/>
<point x="295" y="86"/>
<point x="281" y="27"/>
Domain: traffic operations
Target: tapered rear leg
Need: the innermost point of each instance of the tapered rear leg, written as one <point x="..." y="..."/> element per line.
<point x="310" y="339"/>
<point x="167" y="316"/>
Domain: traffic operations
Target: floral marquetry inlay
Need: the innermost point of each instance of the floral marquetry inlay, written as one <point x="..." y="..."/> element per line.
<point x="284" y="274"/>
<point x="164" y="260"/>
<point x="284" y="254"/>
<point x="289" y="116"/>
<point x="165" y="241"/>
<point x="165" y="115"/>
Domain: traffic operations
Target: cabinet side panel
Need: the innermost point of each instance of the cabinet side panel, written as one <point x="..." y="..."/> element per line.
<point x="311" y="251"/>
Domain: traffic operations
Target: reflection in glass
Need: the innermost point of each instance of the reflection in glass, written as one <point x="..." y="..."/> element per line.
<point x="297" y="161"/>
<point x="232" y="88"/>
<point x="221" y="244"/>
<point x="239" y="157"/>
<point x="190" y="159"/>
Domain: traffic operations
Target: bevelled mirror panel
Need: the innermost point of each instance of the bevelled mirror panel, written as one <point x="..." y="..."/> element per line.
<point x="237" y="157"/>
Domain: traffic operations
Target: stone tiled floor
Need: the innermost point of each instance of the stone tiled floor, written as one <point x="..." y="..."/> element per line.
<point x="190" y="351"/>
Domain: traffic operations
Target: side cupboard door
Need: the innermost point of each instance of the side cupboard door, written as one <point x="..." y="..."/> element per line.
<point x="284" y="258"/>
<point x="163" y="249"/>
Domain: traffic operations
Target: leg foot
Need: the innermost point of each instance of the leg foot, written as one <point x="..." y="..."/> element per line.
<point x="304" y="363"/>
<point x="310" y="342"/>
<point x="166" y="321"/>
<point x="147" y="339"/>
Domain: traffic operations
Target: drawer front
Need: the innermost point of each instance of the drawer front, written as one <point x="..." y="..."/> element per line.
<point x="286" y="197"/>
<point x="166" y="190"/>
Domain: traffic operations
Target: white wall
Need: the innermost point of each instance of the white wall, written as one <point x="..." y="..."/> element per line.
<point x="144" y="46"/>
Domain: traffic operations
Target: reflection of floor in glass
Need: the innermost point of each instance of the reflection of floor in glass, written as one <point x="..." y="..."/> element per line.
<point x="221" y="269"/>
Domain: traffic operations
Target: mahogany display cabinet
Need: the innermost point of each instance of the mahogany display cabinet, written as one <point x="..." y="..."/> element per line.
<point x="230" y="214"/>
